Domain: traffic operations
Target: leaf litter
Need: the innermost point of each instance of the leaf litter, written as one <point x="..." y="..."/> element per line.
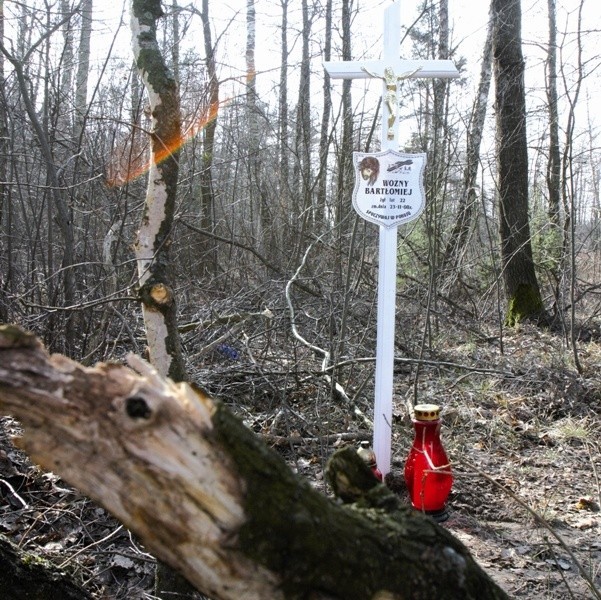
<point x="523" y="431"/>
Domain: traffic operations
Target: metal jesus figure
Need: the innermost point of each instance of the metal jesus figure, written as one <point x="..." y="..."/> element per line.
<point x="391" y="70"/>
<point x="390" y="98"/>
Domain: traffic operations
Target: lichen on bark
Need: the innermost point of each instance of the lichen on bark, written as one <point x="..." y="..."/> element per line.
<point x="154" y="236"/>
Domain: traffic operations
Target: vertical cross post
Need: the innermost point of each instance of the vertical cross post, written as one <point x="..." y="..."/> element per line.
<point x="387" y="265"/>
<point x="391" y="70"/>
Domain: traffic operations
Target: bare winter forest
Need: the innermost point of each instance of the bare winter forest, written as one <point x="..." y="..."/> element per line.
<point x="176" y="182"/>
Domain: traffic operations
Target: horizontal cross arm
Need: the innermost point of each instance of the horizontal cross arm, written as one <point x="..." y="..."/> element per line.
<point x="354" y="69"/>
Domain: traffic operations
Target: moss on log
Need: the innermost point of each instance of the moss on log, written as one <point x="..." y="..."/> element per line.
<point x="24" y="576"/>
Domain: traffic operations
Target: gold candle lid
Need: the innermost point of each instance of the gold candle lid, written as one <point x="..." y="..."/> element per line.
<point x="426" y="412"/>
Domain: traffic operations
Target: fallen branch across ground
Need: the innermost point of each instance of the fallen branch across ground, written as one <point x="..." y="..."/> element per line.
<point x="206" y="496"/>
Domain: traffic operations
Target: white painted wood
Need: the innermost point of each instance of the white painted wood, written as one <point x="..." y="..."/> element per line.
<point x="360" y="70"/>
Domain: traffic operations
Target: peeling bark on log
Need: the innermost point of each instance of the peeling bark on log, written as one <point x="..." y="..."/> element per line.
<point x="206" y="496"/>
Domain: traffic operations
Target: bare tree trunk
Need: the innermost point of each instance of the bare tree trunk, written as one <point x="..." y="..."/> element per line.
<point x="324" y="136"/>
<point x="204" y="494"/>
<point x="207" y="195"/>
<point x="554" y="162"/>
<point x="554" y="234"/>
<point x="437" y="177"/>
<point x="283" y="110"/>
<point x="345" y="177"/>
<point x="251" y="72"/>
<point x="440" y="88"/>
<point x="5" y="207"/>
<point x="457" y="241"/>
<point x="66" y="72"/>
<point x="521" y="284"/>
<point x="154" y="236"/>
<point x="260" y="205"/>
<point x="568" y="177"/>
<point x="175" y="44"/>
<point x="83" y="70"/>
<point x="251" y="76"/>
<point x="303" y="170"/>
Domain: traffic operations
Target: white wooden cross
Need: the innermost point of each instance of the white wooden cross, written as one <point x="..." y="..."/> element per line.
<point x="391" y="69"/>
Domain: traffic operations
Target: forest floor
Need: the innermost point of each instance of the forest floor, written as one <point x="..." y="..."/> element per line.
<point x="521" y="426"/>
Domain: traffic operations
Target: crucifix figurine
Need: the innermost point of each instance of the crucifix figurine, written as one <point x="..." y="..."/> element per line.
<point x="390" y="99"/>
<point x="392" y="102"/>
<point x="386" y="69"/>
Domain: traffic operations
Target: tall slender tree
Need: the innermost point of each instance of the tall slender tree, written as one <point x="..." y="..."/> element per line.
<point x="207" y="194"/>
<point x="457" y="242"/>
<point x="154" y="236"/>
<point x="283" y="108"/>
<point x="66" y="71"/>
<point x="251" y="72"/>
<point x="260" y="205"/>
<point x="3" y="127"/>
<point x="176" y="42"/>
<point x="303" y="117"/>
<point x="569" y="185"/>
<point x="324" y="134"/>
<point x="345" y="168"/>
<point x="553" y="235"/>
<point x="440" y="87"/>
<point x="5" y="207"/>
<point x="83" y="70"/>
<point x="554" y="161"/>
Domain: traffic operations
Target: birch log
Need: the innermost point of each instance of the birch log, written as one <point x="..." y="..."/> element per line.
<point x="206" y="496"/>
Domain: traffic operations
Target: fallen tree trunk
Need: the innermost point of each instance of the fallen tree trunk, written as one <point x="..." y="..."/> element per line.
<point x="206" y="496"/>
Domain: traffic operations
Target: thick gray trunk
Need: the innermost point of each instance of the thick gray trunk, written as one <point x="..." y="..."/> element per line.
<point x="283" y="110"/>
<point x="83" y="69"/>
<point x="554" y="161"/>
<point x="324" y="136"/>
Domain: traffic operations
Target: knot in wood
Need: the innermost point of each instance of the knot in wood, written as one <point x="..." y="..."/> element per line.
<point x="137" y="408"/>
